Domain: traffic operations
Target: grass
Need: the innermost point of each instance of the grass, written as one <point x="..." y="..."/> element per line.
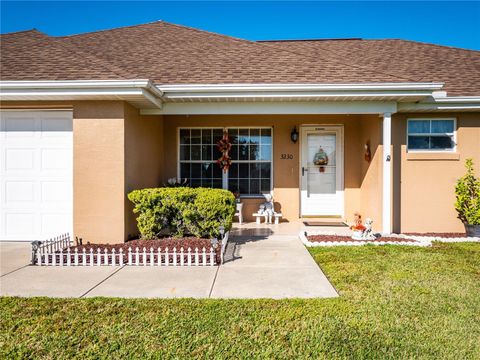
<point x="397" y="303"/>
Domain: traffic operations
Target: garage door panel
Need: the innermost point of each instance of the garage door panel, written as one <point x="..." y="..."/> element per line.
<point x="20" y="127"/>
<point x="20" y="224"/>
<point x="19" y="191"/>
<point x="49" y="223"/>
<point x="55" y="127"/>
<point x="36" y="172"/>
<point x="19" y="159"/>
<point x="55" y="159"/>
<point x="56" y="191"/>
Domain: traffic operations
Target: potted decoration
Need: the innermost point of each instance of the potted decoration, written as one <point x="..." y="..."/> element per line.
<point x="467" y="192"/>
<point x="358" y="228"/>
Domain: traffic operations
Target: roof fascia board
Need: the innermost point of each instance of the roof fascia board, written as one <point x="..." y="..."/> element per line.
<point x="73" y="84"/>
<point x="8" y="94"/>
<point x="296" y="94"/>
<point x="13" y="90"/>
<point x="191" y="88"/>
<point x="412" y="107"/>
<point x="275" y="107"/>
<point x="458" y="99"/>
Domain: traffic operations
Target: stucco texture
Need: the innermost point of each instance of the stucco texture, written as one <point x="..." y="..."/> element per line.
<point x="117" y="150"/>
<point x="424" y="184"/>
<point x="359" y="176"/>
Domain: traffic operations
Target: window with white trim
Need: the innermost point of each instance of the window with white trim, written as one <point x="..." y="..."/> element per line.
<point x="250" y="173"/>
<point x="431" y="134"/>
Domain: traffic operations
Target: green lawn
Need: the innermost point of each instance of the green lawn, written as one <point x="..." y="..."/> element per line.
<point x="397" y="302"/>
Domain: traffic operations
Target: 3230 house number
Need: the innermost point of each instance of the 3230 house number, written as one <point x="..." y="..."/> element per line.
<point x="286" y="156"/>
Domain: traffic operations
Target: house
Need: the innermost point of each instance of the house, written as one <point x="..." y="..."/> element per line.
<point x="87" y="118"/>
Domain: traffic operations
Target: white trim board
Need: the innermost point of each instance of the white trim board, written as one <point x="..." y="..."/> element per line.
<point x="275" y="107"/>
<point x="299" y="87"/>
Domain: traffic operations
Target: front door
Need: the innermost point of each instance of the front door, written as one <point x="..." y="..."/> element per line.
<point x="322" y="171"/>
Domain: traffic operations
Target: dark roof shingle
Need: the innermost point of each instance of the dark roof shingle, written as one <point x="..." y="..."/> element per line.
<point x="174" y="54"/>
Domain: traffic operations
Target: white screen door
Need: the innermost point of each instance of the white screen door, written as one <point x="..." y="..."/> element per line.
<point x="322" y="171"/>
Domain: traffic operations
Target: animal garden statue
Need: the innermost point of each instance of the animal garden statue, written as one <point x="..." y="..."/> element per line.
<point x="362" y="232"/>
<point x="368" y="232"/>
<point x="266" y="209"/>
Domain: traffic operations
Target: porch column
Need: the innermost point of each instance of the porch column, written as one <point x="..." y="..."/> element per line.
<point x="387" y="174"/>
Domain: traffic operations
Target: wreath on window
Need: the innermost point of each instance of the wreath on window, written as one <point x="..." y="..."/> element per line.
<point x="224" y="147"/>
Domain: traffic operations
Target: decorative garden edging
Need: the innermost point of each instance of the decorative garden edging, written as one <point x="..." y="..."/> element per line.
<point x="418" y="240"/>
<point x="57" y="252"/>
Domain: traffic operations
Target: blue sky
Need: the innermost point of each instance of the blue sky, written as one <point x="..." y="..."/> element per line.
<point x="448" y="23"/>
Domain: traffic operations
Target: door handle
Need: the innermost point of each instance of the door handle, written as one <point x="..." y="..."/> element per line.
<point x="303" y="171"/>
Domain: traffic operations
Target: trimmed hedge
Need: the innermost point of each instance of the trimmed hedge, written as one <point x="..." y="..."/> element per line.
<point x="183" y="210"/>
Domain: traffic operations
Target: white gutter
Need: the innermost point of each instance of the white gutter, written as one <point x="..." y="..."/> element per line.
<point x="458" y="99"/>
<point x="299" y="87"/>
<point x="453" y="103"/>
<point x="366" y="91"/>
<point x="433" y="98"/>
<point x="12" y="90"/>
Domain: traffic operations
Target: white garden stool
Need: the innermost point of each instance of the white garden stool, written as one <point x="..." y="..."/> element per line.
<point x="239" y="213"/>
<point x="258" y="217"/>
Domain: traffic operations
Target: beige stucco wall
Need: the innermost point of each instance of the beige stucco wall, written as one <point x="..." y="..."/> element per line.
<point x="115" y="150"/>
<point x="143" y="158"/>
<point x="371" y="172"/>
<point x="425" y="184"/>
<point x="98" y="171"/>
<point x="286" y="172"/>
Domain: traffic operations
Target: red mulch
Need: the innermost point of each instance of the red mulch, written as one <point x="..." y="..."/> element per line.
<point x="178" y="243"/>
<point x="443" y="235"/>
<point x="186" y="242"/>
<point x="338" y="238"/>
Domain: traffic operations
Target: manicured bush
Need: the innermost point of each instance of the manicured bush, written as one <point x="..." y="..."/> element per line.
<point x="182" y="210"/>
<point x="468" y="196"/>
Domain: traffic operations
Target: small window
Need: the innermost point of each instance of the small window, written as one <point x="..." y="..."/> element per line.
<point x="431" y="134"/>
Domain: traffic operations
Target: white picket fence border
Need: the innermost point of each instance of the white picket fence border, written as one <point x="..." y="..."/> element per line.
<point x="422" y="241"/>
<point x="57" y="252"/>
<point x="132" y="257"/>
<point x="57" y="243"/>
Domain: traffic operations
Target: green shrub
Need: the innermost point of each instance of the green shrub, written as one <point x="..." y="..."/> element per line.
<point x="468" y="196"/>
<point x="182" y="210"/>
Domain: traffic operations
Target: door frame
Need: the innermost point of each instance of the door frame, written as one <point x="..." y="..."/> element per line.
<point x="339" y="129"/>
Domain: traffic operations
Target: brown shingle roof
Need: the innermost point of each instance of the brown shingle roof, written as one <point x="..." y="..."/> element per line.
<point x="31" y="55"/>
<point x="173" y="54"/>
<point x="458" y="68"/>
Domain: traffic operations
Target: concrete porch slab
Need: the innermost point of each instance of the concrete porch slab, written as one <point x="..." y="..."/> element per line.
<point x="267" y="255"/>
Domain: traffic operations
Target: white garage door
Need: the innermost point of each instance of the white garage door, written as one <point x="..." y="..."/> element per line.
<point x="36" y="156"/>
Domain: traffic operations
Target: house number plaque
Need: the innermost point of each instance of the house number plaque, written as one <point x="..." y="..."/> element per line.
<point x="286" y="156"/>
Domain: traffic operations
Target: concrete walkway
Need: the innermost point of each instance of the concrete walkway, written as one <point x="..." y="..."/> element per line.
<point x="261" y="262"/>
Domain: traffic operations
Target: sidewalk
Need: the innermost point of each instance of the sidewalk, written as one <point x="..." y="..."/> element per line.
<point x="261" y="262"/>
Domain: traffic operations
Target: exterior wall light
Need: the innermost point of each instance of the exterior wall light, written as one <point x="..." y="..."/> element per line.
<point x="294" y="135"/>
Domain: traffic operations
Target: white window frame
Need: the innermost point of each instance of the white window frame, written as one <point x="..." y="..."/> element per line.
<point x="454" y="136"/>
<point x="225" y="175"/>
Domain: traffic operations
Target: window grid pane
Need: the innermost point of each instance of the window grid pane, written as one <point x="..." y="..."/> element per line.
<point x="250" y="172"/>
<point x="431" y="134"/>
